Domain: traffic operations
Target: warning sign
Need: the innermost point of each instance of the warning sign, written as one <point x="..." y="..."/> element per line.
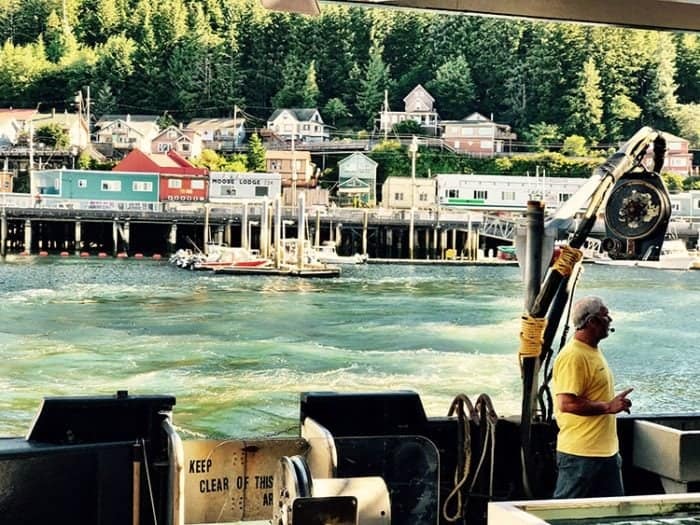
<point x="232" y="480"/>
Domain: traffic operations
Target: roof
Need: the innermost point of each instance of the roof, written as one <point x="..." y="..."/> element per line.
<point x="355" y="155"/>
<point x="285" y="154"/>
<point x="128" y="117"/>
<point x="419" y="88"/>
<point x="301" y="114"/>
<point x="170" y="163"/>
<point x="216" y="123"/>
<point x="16" y="113"/>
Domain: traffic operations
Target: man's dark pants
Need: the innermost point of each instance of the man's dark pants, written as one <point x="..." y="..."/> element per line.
<point x="588" y="477"/>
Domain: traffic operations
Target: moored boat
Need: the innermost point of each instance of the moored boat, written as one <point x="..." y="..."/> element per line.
<point x="327" y="253"/>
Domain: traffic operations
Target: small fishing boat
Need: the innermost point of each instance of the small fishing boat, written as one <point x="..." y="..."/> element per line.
<point x="327" y="253"/>
<point x="674" y="255"/>
<point x="218" y="257"/>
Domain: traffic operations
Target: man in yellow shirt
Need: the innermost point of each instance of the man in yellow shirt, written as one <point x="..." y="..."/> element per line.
<point x="588" y="456"/>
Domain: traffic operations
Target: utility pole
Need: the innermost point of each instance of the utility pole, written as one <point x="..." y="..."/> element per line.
<point x="385" y="119"/>
<point x="87" y="113"/>
<point x="413" y="148"/>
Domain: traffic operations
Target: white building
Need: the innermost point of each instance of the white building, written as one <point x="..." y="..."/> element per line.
<point x="407" y="193"/>
<point x="503" y="192"/>
<point x="227" y="186"/>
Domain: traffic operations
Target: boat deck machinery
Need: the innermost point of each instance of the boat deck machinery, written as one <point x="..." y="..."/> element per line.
<point x="366" y="458"/>
<point x="360" y="458"/>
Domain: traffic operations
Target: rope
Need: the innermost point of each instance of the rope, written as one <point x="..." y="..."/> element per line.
<point x="484" y="402"/>
<point x="531" y="336"/>
<point x="568" y="257"/>
<point x="460" y="478"/>
<point x="148" y="480"/>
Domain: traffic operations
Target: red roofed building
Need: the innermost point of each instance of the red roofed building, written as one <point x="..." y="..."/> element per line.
<point x="179" y="180"/>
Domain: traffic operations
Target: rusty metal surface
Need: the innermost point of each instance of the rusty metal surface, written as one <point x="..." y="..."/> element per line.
<point x="231" y="480"/>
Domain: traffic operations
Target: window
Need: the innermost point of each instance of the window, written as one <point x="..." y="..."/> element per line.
<point x="185" y="146"/>
<point x="275" y="165"/>
<point x="140" y="185"/>
<point x="467" y="132"/>
<point x="398" y="196"/>
<point x="197" y="185"/>
<point x="111" y="185"/>
<point x="507" y="195"/>
<point x="82" y="183"/>
<point x="678" y="161"/>
<point x="487" y="144"/>
<point x="261" y="191"/>
<point x="563" y="197"/>
<point x="298" y="165"/>
<point x="163" y="147"/>
<point x="452" y="194"/>
<point x="697" y="204"/>
<point x="174" y="183"/>
<point x="423" y="197"/>
<point x="481" y="194"/>
<point x="675" y="206"/>
<point x="172" y="134"/>
<point x="485" y="132"/>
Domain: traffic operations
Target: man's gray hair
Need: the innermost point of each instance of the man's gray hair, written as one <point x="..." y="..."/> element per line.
<point x="584" y="309"/>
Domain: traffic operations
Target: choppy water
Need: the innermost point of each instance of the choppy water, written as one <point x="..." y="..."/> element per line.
<point x="236" y="351"/>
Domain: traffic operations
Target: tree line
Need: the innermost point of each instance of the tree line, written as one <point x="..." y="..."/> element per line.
<point x="186" y="58"/>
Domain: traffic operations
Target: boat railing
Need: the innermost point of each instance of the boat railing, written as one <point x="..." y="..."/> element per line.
<point x="176" y="478"/>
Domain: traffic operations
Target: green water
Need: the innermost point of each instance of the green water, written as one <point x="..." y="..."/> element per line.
<point x="236" y="351"/>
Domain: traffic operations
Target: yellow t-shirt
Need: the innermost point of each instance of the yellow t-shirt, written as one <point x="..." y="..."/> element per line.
<point x="582" y="370"/>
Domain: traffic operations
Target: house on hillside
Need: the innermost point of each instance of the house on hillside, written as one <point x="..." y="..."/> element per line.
<point x="357" y="181"/>
<point x="679" y="159"/>
<point x="122" y="133"/>
<point x="292" y="166"/>
<point x="301" y="124"/>
<point x="419" y="105"/>
<point x="477" y="135"/>
<point x="13" y="123"/>
<point x="219" y="134"/>
<point x="186" y="142"/>
<point x="179" y="180"/>
<point x="74" y="124"/>
<point x="407" y="193"/>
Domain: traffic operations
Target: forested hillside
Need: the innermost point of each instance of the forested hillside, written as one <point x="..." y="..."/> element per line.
<point x="190" y="58"/>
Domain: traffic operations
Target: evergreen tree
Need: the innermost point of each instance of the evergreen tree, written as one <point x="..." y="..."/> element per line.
<point x="335" y="109"/>
<point x="688" y="66"/>
<point x="372" y="86"/>
<point x="293" y="78"/>
<point x="104" y="101"/>
<point x="622" y="111"/>
<point x="256" y="154"/>
<point x="310" y="92"/>
<point x="688" y="121"/>
<point x="585" y="105"/>
<point x="661" y="103"/>
<point x="543" y="136"/>
<point x="454" y="89"/>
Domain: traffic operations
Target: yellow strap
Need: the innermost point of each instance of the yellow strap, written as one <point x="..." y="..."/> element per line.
<point x="567" y="259"/>
<point x="531" y="336"/>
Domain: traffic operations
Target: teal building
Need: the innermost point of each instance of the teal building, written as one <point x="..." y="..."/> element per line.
<point x="96" y="186"/>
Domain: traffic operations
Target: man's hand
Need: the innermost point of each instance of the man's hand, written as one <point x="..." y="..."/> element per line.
<point x="620" y="402"/>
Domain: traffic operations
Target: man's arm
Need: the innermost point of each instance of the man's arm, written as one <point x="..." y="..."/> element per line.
<point x="581" y="406"/>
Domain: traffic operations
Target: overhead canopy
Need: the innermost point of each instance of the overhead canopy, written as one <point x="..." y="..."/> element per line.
<point x="682" y="15"/>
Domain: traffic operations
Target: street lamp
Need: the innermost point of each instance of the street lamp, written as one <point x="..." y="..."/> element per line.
<point x="413" y="149"/>
<point x="73" y="154"/>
